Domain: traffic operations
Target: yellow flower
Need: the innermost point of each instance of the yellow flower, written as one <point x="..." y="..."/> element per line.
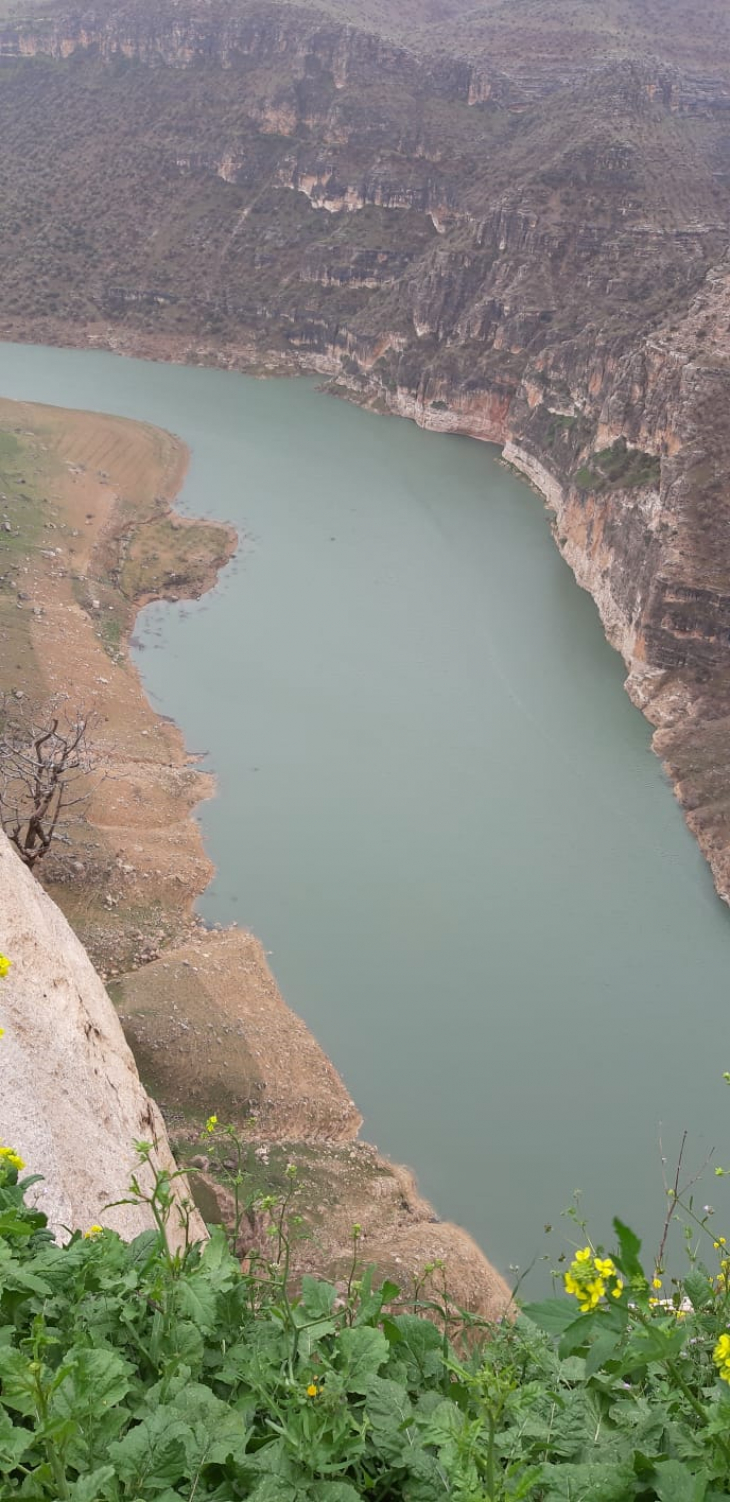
<point x="9" y="1159"/>
<point x="92" y="1232"/>
<point x="721" y="1240"/>
<point x="211" y="1123"/>
<point x="2" y="1032"/>
<point x="605" y="1267"/>
<point x="721" y="1357"/>
<point x="656" y="1282"/>
<point x="313" y="1390"/>
<point x="5" y="964"/>
<point x="587" y="1279"/>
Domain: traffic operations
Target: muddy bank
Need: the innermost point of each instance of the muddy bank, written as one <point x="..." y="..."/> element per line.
<point x="92" y="535"/>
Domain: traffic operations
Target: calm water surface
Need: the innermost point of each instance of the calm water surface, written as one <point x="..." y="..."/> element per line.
<point x="436" y="805"/>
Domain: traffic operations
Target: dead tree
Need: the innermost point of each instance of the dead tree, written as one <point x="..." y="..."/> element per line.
<point x="45" y="763"/>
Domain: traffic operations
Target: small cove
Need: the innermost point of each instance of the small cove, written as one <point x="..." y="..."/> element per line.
<point x="435" y="804"/>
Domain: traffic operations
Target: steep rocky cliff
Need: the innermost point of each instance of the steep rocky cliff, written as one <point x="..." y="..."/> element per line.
<point x="510" y="222"/>
<point x="71" y="1104"/>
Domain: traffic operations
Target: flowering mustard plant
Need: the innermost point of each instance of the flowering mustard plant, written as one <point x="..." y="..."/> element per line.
<point x="10" y="1159"/>
<point x="721" y="1357"/>
<point x="589" y="1278"/>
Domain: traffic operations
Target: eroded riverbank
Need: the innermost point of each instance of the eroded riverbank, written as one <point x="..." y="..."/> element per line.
<point x="614" y="544"/>
<point x="203" y="1014"/>
<point x="435" y="804"/>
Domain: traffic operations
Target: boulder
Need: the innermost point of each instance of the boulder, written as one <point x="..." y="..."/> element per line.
<point x="71" y="1101"/>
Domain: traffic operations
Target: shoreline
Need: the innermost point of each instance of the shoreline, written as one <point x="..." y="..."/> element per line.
<point x="681" y="713"/>
<point x="199" y="1005"/>
<point x="669" y="700"/>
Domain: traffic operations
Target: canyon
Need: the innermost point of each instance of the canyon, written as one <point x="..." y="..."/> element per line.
<point x="508" y="223"/>
<point x="499" y="223"/>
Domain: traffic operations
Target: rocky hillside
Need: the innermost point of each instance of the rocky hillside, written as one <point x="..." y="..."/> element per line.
<point x="508" y="220"/>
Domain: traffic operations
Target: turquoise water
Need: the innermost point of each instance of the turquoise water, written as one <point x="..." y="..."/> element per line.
<point x="436" y="805"/>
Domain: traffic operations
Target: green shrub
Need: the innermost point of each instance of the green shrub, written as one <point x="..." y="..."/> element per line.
<point x="619" y="467"/>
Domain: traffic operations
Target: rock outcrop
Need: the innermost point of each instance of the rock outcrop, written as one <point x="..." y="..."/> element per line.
<point x="71" y="1101"/>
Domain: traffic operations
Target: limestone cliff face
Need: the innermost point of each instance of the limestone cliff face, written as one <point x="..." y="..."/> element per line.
<point x="71" y="1101"/>
<point x="305" y="40"/>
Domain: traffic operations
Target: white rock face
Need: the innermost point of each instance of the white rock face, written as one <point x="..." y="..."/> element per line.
<point x="71" y="1101"/>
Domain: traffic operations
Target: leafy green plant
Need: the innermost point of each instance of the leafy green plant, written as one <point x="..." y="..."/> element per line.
<point x="130" y="1373"/>
<point x="139" y="1373"/>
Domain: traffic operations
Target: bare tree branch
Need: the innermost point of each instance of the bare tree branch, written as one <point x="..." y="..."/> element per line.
<point x="44" y="754"/>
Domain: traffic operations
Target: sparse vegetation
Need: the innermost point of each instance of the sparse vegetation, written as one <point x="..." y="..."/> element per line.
<point x="619" y="467"/>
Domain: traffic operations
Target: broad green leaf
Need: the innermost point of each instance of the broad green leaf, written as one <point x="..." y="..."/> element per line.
<point x="144" y="1246"/>
<point x="579" y="1332"/>
<point x="360" y="1354"/>
<point x="601" y="1350"/>
<point x="153" y="1453"/>
<point x="14" y="1441"/>
<point x="99" y="1380"/>
<point x="370" y="1301"/>
<point x="218" y="1265"/>
<point x="317" y="1299"/>
<point x="230" y="1439"/>
<point x="389" y="1410"/>
<point x="654" y="1344"/>
<point x="553" y="1315"/>
<point x="91" y="1488"/>
<point x="445" y="1423"/>
<point x="524" y="1483"/>
<point x="699" y="1290"/>
<point x="273" y="1489"/>
<point x="21" y="1277"/>
<point x="197" y="1301"/>
<point x="17" y="1380"/>
<point x="629" y="1248"/>
<point x="215" y="1430"/>
<point x="185" y="1343"/>
<point x="421" y="1348"/>
<point x="589" y="1483"/>
<point x="195" y="1401"/>
<point x="273" y="1460"/>
<point x="674" y="1482"/>
<point x="162" y="1392"/>
<point x="332" y="1491"/>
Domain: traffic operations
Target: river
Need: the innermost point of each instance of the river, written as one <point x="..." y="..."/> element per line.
<point x="436" y="805"/>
